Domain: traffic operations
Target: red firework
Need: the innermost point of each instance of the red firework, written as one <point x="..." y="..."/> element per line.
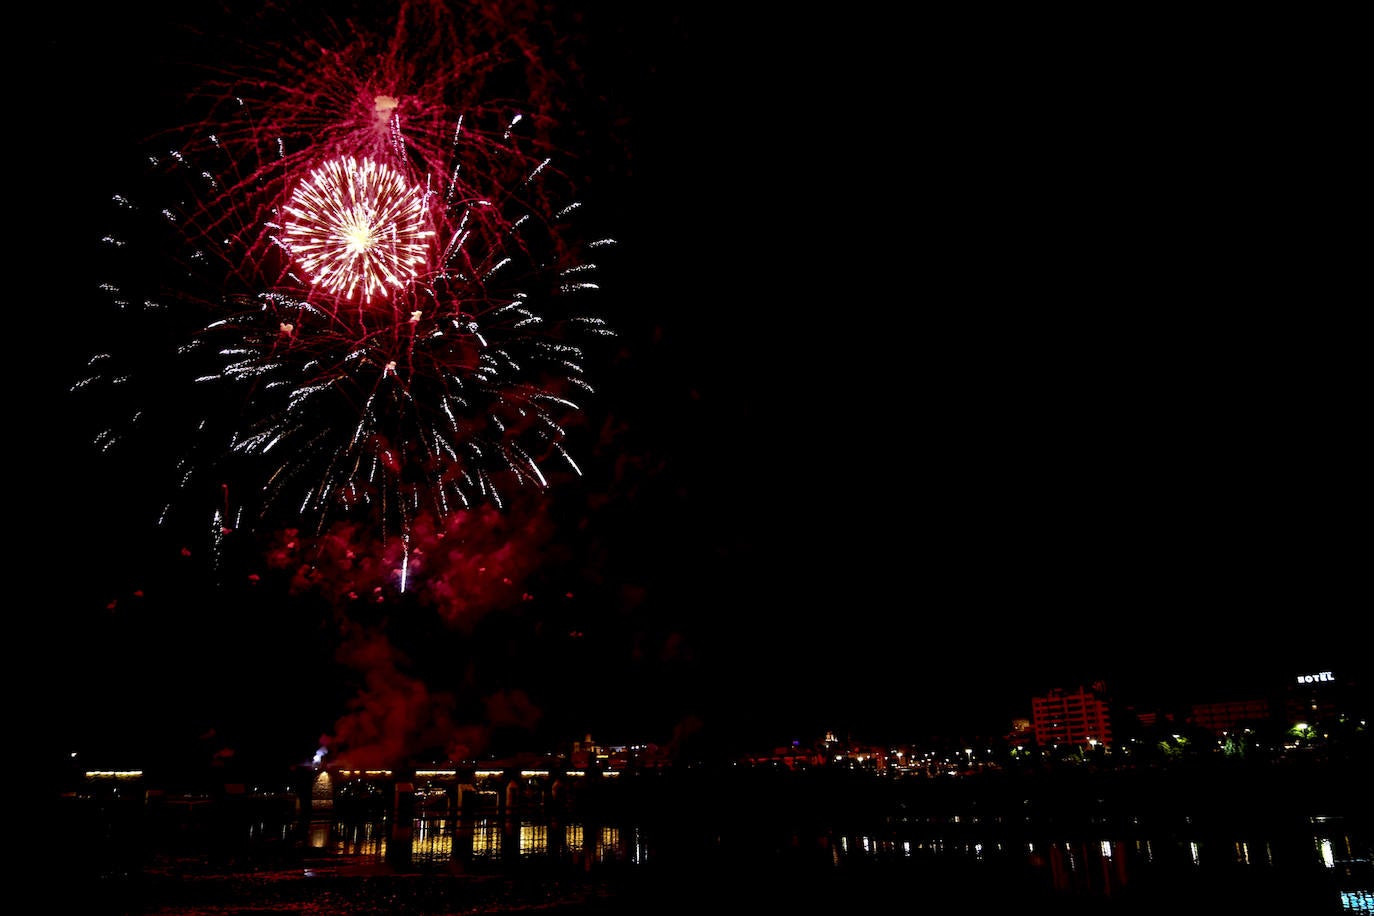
<point x="399" y="91"/>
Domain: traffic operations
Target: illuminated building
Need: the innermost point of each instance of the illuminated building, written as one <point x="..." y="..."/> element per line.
<point x="1306" y="697"/>
<point x="1315" y="696"/>
<point x="1080" y="717"/>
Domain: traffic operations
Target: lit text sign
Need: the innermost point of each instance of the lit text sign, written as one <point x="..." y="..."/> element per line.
<point x="1318" y="678"/>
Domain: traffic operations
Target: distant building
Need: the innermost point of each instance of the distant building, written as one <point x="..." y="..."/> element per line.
<point x="1226" y="716"/>
<point x="1306" y="697"/>
<point x="792" y="757"/>
<point x="1080" y="717"/>
<point x="1315" y="696"/>
<point x="1022" y="733"/>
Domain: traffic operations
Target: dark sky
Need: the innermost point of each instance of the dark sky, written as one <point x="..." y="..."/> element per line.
<point x="957" y="361"/>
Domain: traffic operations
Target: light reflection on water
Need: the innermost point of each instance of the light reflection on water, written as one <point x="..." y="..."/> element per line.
<point x="439" y="841"/>
<point x="1330" y="849"/>
<point x="1331" y="855"/>
<point x="1333" y="851"/>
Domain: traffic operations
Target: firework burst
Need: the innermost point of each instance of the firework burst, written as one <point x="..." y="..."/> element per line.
<point x="358" y="229"/>
<point x="351" y="323"/>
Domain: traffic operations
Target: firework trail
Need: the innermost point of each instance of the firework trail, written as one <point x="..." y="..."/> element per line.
<point x="382" y="91"/>
<point x="356" y="290"/>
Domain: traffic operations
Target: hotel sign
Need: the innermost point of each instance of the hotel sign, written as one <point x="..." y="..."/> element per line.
<point x="1318" y="678"/>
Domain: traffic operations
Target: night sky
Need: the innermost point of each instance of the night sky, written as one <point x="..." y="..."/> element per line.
<point x="951" y="367"/>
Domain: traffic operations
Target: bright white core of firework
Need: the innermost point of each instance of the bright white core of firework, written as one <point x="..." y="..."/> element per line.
<point x="357" y="229"/>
